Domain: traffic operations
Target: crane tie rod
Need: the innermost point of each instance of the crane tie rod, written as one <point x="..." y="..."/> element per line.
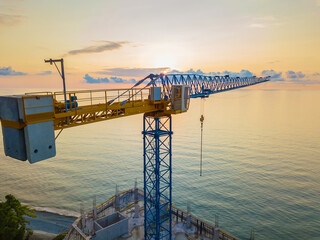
<point x="151" y="76"/>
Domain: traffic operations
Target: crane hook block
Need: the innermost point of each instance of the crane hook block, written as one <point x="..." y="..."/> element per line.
<point x="201" y="118"/>
<point x="24" y="140"/>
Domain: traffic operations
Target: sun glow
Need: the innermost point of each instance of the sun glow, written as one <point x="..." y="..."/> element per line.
<point x="166" y="55"/>
<point x="165" y="60"/>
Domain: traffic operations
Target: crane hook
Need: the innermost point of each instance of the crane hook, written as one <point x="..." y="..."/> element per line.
<point x="201" y="121"/>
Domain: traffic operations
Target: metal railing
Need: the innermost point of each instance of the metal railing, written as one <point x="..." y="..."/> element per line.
<point x="203" y="228"/>
<point x="87" y="98"/>
<point x="82" y="98"/>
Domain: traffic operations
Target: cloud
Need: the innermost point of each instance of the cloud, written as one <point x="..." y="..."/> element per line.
<point x="272" y="73"/>
<point x="190" y="71"/>
<point x="133" y="72"/>
<point x="263" y="22"/>
<point x="8" y="71"/>
<point x="292" y="77"/>
<point x="89" y="79"/>
<point x="10" y="19"/>
<point x="302" y="78"/>
<point x="295" y="75"/>
<point x="275" y="76"/>
<point x="107" y="46"/>
<point x="44" y="73"/>
<point x="117" y="80"/>
<point x="242" y="73"/>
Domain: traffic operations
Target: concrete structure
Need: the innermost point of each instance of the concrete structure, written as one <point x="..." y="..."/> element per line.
<point x="110" y="227"/>
<point x="128" y="222"/>
<point x="24" y="141"/>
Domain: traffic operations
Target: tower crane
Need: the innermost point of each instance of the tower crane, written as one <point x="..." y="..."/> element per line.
<point x="29" y="121"/>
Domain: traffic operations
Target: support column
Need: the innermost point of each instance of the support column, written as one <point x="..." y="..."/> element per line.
<point x="157" y="137"/>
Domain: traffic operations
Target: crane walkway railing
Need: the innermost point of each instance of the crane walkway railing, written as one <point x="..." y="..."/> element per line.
<point x="87" y="106"/>
<point x="87" y="98"/>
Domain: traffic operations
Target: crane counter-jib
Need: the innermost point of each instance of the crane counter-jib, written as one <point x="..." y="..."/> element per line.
<point x="28" y="121"/>
<point x="84" y="107"/>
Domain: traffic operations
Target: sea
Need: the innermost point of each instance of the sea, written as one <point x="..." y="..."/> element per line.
<point x="261" y="164"/>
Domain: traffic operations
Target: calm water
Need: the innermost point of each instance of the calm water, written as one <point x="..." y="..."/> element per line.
<point x="261" y="164"/>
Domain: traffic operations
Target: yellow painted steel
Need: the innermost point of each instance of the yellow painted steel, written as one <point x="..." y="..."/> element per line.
<point x="12" y="124"/>
<point x="89" y="106"/>
<point x="129" y="205"/>
<point x="101" y="112"/>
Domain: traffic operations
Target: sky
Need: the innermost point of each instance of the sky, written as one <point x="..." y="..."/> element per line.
<point x="108" y="43"/>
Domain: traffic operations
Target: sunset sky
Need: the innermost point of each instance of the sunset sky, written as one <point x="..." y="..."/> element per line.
<point x="116" y="41"/>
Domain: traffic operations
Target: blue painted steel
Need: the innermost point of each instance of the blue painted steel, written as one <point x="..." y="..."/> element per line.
<point x="157" y="137"/>
<point x="74" y="103"/>
<point x="203" y="86"/>
<point x="200" y="85"/>
<point x="23" y="144"/>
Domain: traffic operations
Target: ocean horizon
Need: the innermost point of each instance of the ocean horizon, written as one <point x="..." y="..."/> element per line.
<point x="261" y="164"/>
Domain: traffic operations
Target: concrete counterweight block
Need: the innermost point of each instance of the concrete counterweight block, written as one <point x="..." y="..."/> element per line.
<point x="25" y="140"/>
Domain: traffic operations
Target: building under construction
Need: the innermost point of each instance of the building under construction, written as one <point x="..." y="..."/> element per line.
<point x="122" y="217"/>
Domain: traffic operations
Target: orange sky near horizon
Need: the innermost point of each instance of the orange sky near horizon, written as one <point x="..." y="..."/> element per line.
<point x="130" y="39"/>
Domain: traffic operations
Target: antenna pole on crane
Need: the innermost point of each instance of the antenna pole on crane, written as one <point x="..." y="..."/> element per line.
<point x="62" y="76"/>
<point x="63" y="80"/>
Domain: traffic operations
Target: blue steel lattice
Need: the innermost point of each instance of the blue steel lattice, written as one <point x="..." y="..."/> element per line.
<point x="157" y="137"/>
<point x="199" y="85"/>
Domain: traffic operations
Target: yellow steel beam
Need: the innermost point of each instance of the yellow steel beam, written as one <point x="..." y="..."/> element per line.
<point x="101" y="112"/>
<point x="89" y="112"/>
<point x="12" y="124"/>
